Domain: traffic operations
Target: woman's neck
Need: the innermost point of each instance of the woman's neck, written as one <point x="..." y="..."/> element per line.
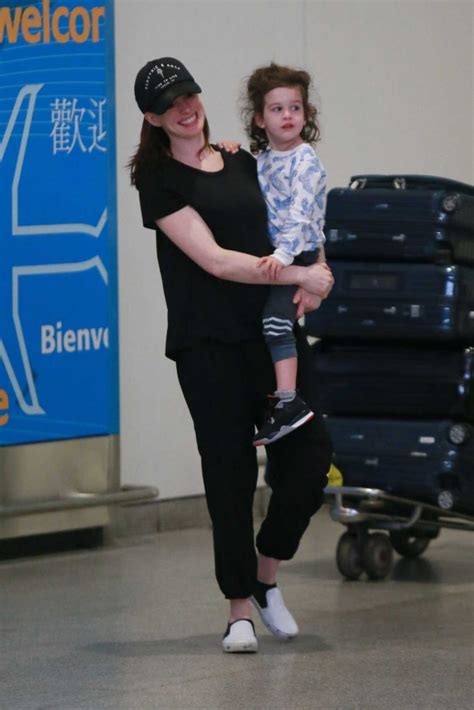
<point x="198" y="155"/>
<point x="192" y="151"/>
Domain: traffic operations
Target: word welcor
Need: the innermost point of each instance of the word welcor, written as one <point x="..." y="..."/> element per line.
<point x="55" y="340"/>
<point x="61" y="24"/>
<point x="4" y="405"/>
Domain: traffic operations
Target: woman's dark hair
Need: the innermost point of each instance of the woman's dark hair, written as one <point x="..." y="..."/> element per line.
<point x="153" y="150"/>
<point x="259" y="84"/>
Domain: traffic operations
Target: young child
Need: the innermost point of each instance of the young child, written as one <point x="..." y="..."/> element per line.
<point x="282" y="127"/>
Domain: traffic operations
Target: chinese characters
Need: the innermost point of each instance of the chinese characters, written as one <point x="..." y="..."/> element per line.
<point x="77" y="127"/>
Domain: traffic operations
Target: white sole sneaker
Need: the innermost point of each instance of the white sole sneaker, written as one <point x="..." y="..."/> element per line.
<point x="276" y="617"/>
<point x="284" y="431"/>
<point x="240" y="637"/>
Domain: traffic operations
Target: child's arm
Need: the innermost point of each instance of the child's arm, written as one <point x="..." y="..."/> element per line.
<point x="308" y="184"/>
<point x="270" y="266"/>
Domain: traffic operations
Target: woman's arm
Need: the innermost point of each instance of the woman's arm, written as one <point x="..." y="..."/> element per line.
<point x="188" y="231"/>
<point x="304" y="300"/>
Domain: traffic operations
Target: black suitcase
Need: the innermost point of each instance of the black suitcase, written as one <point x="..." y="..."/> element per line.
<point x="430" y="460"/>
<point x="373" y="379"/>
<point x="389" y="301"/>
<point x="401" y="218"/>
<point x="393" y="241"/>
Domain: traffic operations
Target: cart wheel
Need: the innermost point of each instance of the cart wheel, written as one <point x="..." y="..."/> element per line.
<point x="408" y="545"/>
<point x="377" y="556"/>
<point x="348" y="557"/>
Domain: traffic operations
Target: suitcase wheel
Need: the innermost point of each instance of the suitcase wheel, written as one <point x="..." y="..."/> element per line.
<point x="446" y="499"/>
<point x="458" y="433"/>
<point x="451" y="202"/>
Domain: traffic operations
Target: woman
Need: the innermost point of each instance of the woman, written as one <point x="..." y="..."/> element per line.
<point x="211" y="229"/>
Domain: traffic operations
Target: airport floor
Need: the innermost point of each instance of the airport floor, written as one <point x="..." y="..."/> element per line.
<point x="138" y="626"/>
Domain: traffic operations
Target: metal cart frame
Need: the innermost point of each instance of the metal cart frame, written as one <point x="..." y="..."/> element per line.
<point x="411" y="526"/>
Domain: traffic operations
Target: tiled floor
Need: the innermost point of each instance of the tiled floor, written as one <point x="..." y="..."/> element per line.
<point x="138" y="625"/>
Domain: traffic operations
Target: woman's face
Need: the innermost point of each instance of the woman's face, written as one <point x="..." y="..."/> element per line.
<point x="184" y="118"/>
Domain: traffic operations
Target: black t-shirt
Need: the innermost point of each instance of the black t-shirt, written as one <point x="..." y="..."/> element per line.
<point x="201" y="306"/>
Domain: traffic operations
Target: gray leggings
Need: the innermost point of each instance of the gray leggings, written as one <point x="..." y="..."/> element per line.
<point x="279" y="314"/>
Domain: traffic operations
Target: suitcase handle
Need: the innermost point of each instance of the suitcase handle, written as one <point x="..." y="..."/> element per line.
<point x="409" y="182"/>
<point x="358" y="182"/>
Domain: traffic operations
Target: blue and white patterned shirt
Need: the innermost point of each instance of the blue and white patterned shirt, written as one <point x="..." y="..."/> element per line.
<point x="293" y="183"/>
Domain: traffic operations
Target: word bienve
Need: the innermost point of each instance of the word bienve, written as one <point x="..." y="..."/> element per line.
<point x="54" y="340"/>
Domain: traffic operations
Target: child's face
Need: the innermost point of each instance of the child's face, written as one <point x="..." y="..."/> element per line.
<point x="283" y="117"/>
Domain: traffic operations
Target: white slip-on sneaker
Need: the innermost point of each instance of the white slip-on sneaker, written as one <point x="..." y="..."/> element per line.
<point x="276" y="616"/>
<point x="240" y="637"/>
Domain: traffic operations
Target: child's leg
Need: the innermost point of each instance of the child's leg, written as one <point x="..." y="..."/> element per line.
<point x="286" y="371"/>
<point x="279" y="317"/>
<point x="280" y="304"/>
<point x="288" y="411"/>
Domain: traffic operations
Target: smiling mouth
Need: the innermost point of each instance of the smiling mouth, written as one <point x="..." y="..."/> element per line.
<point x="188" y="121"/>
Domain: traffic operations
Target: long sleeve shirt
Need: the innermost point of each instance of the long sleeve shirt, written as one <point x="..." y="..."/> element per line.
<point x="293" y="183"/>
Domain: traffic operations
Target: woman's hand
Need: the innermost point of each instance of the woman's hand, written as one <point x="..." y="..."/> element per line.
<point x="305" y="302"/>
<point x="229" y="146"/>
<point x="318" y="279"/>
<point x="270" y="266"/>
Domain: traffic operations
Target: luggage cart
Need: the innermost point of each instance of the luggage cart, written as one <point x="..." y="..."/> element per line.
<point x="411" y="525"/>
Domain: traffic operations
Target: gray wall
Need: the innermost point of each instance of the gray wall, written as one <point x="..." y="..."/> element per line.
<point x="395" y="85"/>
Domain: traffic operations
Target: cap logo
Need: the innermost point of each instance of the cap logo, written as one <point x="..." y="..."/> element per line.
<point x="158" y="71"/>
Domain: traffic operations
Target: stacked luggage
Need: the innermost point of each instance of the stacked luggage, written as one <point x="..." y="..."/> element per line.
<point x="395" y="349"/>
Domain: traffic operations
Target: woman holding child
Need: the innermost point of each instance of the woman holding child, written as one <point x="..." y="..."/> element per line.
<point x="210" y="219"/>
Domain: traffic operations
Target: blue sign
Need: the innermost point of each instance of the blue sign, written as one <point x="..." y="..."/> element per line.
<point x="58" y="267"/>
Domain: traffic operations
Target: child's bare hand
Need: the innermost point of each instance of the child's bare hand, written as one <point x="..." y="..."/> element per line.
<point x="271" y="266"/>
<point x="229" y="146"/>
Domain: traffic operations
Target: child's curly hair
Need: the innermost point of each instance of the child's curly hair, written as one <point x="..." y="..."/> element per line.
<point x="259" y="84"/>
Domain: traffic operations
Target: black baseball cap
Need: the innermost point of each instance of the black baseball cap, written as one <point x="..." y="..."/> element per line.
<point x="160" y="81"/>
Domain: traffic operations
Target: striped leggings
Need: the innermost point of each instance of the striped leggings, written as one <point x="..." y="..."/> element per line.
<point x="279" y="315"/>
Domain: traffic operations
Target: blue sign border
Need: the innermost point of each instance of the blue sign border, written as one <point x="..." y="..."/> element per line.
<point x="30" y="423"/>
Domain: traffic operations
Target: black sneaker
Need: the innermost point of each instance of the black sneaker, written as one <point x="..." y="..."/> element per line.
<point x="282" y="419"/>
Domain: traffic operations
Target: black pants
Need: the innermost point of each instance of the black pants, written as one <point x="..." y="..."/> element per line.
<point x="225" y="387"/>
